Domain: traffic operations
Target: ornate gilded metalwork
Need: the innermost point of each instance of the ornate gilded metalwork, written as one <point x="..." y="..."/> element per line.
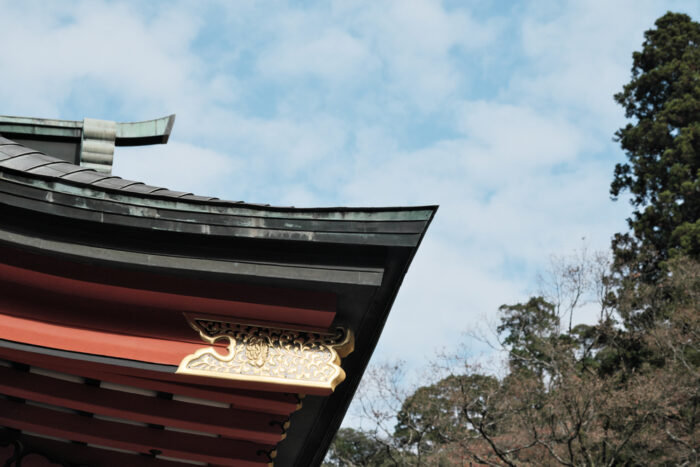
<point x="297" y="358"/>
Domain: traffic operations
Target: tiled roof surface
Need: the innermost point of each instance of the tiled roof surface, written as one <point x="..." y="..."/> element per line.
<point x="19" y="157"/>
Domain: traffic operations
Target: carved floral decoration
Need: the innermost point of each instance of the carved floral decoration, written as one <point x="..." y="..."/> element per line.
<point x="272" y="355"/>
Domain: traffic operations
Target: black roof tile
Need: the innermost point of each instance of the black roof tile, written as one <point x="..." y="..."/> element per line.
<point x="116" y="183"/>
<point x="14" y="150"/>
<point x="56" y="169"/>
<point x="26" y="162"/>
<point x="171" y="193"/>
<point x="17" y="157"/>
<point x="143" y="188"/>
<point x="199" y="198"/>
<point x="85" y="176"/>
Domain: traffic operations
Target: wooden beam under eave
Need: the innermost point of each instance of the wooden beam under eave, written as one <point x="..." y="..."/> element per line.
<point x="243" y="425"/>
<point x="175" y="304"/>
<point x="94" y="342"/>
<point x="133" y="438"/>
<point x="80" y="454"/>
<point x="274" y="403"/>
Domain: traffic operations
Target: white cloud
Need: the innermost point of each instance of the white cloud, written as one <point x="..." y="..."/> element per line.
<point x="417" y="40"/>
<point x="579" y="57"/>
<point x="406" y="48"/>
<point x="518" y="136"/>
<point x="332" y="54"/>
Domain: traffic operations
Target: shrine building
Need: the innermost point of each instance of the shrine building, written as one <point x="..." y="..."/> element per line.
<point x="141" y="326"/>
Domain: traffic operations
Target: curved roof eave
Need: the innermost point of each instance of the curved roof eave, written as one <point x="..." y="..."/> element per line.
<point x="52" y="185"/>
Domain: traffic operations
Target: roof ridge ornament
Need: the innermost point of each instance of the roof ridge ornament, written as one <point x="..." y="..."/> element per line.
<point x="90" y="142"/>
<point x="97" y="144"/>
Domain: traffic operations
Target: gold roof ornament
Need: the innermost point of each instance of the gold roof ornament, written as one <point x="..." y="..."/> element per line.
<point x="295" y="358"/>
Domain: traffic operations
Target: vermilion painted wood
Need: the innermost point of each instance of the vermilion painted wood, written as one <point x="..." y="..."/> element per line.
<point x="236" y="424"/>
<point x="40" y="305"/>
<point x="178" y="303"/>
<point x="194" y="286"/>
<point x="259" y="401"/>
<point x="94" y="342"/>
<point x="134" y="438"/>
<point x="121" y="344"/>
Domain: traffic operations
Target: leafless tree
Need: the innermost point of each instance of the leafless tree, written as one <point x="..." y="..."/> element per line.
<point x="572" y="414"/>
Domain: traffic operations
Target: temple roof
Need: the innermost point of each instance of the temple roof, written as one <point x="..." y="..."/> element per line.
<point x="88" y="252"/>
<point x="208" y="215"/>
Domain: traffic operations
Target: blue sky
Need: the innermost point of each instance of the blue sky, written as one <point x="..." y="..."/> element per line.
<point x="500" y="112"/>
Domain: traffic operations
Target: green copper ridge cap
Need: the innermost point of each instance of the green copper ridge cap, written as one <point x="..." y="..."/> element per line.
<point x="156" y="131"/>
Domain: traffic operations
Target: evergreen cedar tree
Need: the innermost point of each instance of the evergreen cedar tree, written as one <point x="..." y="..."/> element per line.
<point x="625" y="391"/>
<point x="662" y="175"/>
<point x="662" y="144"/>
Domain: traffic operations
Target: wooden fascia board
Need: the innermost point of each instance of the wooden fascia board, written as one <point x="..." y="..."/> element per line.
<point x="123" y="258"/>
